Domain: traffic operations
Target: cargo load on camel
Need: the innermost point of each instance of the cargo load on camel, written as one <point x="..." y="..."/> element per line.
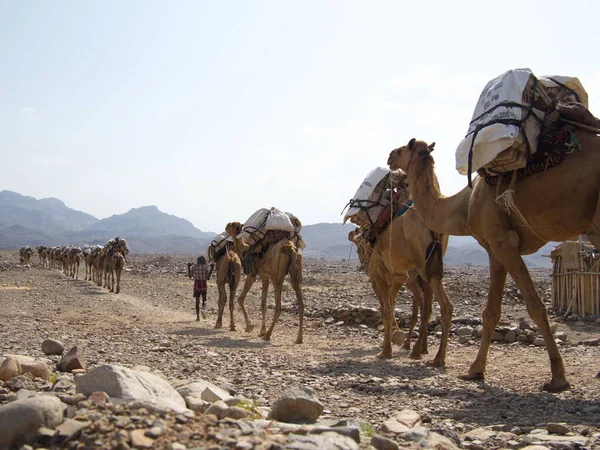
<point x="372" y="208"/>
<point x="523" y="124"/>
<point x="267" y="227"/>
<point x="218" y="246"/>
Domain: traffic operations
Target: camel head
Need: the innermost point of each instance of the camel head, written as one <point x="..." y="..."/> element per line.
<point x="402" y="157"/>
<point x="233" y="229"/>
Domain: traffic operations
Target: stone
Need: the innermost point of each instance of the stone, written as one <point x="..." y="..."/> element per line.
<point x="480" y="434"/>
<point x="130" y="385"/>
<point x="177" y="446"/>
<point x="539" y="342"/>
<point x="326" y="440"/>
<point x="408" y="417"/>
<point x="416" y="434"/>
<point x="553" y="327"/>
<point x="524" y="325"/>
<point x="139" y="439"/>
<point x="207" y="391"/>
<point x="479" y="331"/>
<point x="73" y="359"/>
<point x="52" y="347"/>
<point x="554" y="440"/>
<point x="557" y="428"/>
<point x="351" y="432"/>
<point x="195" y="403"/>
<point x="72" y="399"/>
<point x="38" y="369"/>
<point x="69" y="430"/>
<point x="234" y="401"/>
<point x="510" y="336"/>
<point x="9" y="368"/>
<point x="561" y="336"/>
<point x="497" y="337"/>
<point x="99" y="398"/>
<point x="522" y="338"/>
<point x="217" y="409"/>
<point x="437" y="441"/>
<point x="464" y="331"/>
<point x="297" y="405"/>
<point x="21" y="419"/>
<point x="236" y="413"/>
<point x="535" y="447"/>
<point x="383" y="443"/>
<point x="591" y="342"/>
<point x="393" y="426"/>
<point x="20" y="382"/>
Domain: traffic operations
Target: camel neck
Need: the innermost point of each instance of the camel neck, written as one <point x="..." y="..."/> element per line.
<point x="445" y="215"/>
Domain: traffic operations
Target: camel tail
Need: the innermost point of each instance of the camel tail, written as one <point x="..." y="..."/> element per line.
<point x="232" y="276"/>
<point x="434" y="265"/>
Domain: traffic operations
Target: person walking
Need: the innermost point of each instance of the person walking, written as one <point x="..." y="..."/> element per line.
<point x="201" y="274"/>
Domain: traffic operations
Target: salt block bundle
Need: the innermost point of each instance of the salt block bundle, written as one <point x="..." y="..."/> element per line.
<point x="265" y="220"/>
<point x="508" y="119"/>
<point x="374" y="195"/>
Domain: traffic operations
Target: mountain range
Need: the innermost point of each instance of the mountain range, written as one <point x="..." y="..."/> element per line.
<point x="48" y="221"/>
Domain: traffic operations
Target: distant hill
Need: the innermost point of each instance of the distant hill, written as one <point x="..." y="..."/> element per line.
<point x="148" y="221"/>
<point x="327" y="240"/>
<point x="48" y="214"/>
<point x="27" y="221"/>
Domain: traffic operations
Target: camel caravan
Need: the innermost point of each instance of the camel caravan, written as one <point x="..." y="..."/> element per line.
<point x="103" y="264"/>
<point x="267" y="245"/>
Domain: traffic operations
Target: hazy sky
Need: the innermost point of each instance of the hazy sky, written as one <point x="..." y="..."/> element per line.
<point x="211" y="110"/>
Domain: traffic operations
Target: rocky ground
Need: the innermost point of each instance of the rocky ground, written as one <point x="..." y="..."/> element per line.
<point x="152" y="324"/>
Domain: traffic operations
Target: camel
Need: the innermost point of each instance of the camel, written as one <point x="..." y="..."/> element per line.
<point x="229" y="273"/>
<point x="87" y="260"/>
<point x="73" y="258"/>
<point x="25" y="254"/>
<point x="407" y="244"/>
<point x="281" y="258"/>
<point x="114" y="263"/>
<point x="553" y="206"/>
<point x="416" y="285"/>
<point x="43" y="254"/>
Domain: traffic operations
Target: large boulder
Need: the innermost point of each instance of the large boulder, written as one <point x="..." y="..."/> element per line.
<point x="21" y="419"/>
<point x="9" y="368"/>
<point x="72" y="360"/>
<point x="297" y="405"/>
<point x="38" y="369"/>
<point x="127" y="384"/>
<point x="52" y="347"/>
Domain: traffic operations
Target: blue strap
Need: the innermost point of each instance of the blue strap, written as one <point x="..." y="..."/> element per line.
<point x="403" y="210"/>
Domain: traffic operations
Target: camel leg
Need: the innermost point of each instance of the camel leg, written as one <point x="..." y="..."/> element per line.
<point x="77" y="272"/>
<point x="389" y="318"/>
<point x="118" y="270"/>
<point x="278" y="287"/>
<point x="232" y="290"/>
<point x="112" y="279"/>
<point x="221" y="304"/>
<point x="263" y="306"/>
<point x="298" y="290"/>
<point x="250" y="279"/>
<point x="515" y="265"/>
<point x="447" y="309"/>
<point x="413" y="319"/>
<point x="426" y="305"/>
<point x="491" y="316"/>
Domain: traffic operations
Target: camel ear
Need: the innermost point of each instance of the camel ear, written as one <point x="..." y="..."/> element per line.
<point x="431" y="146"/>
<point x="411" y="143"/>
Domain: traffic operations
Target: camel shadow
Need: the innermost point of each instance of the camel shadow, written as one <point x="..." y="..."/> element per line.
<point x="227" y="342"/>
<point x="378" y="368"/>
<point x="491" y="406"/>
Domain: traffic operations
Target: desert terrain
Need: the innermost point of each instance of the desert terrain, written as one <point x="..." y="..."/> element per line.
<point x="152" y="323"/>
